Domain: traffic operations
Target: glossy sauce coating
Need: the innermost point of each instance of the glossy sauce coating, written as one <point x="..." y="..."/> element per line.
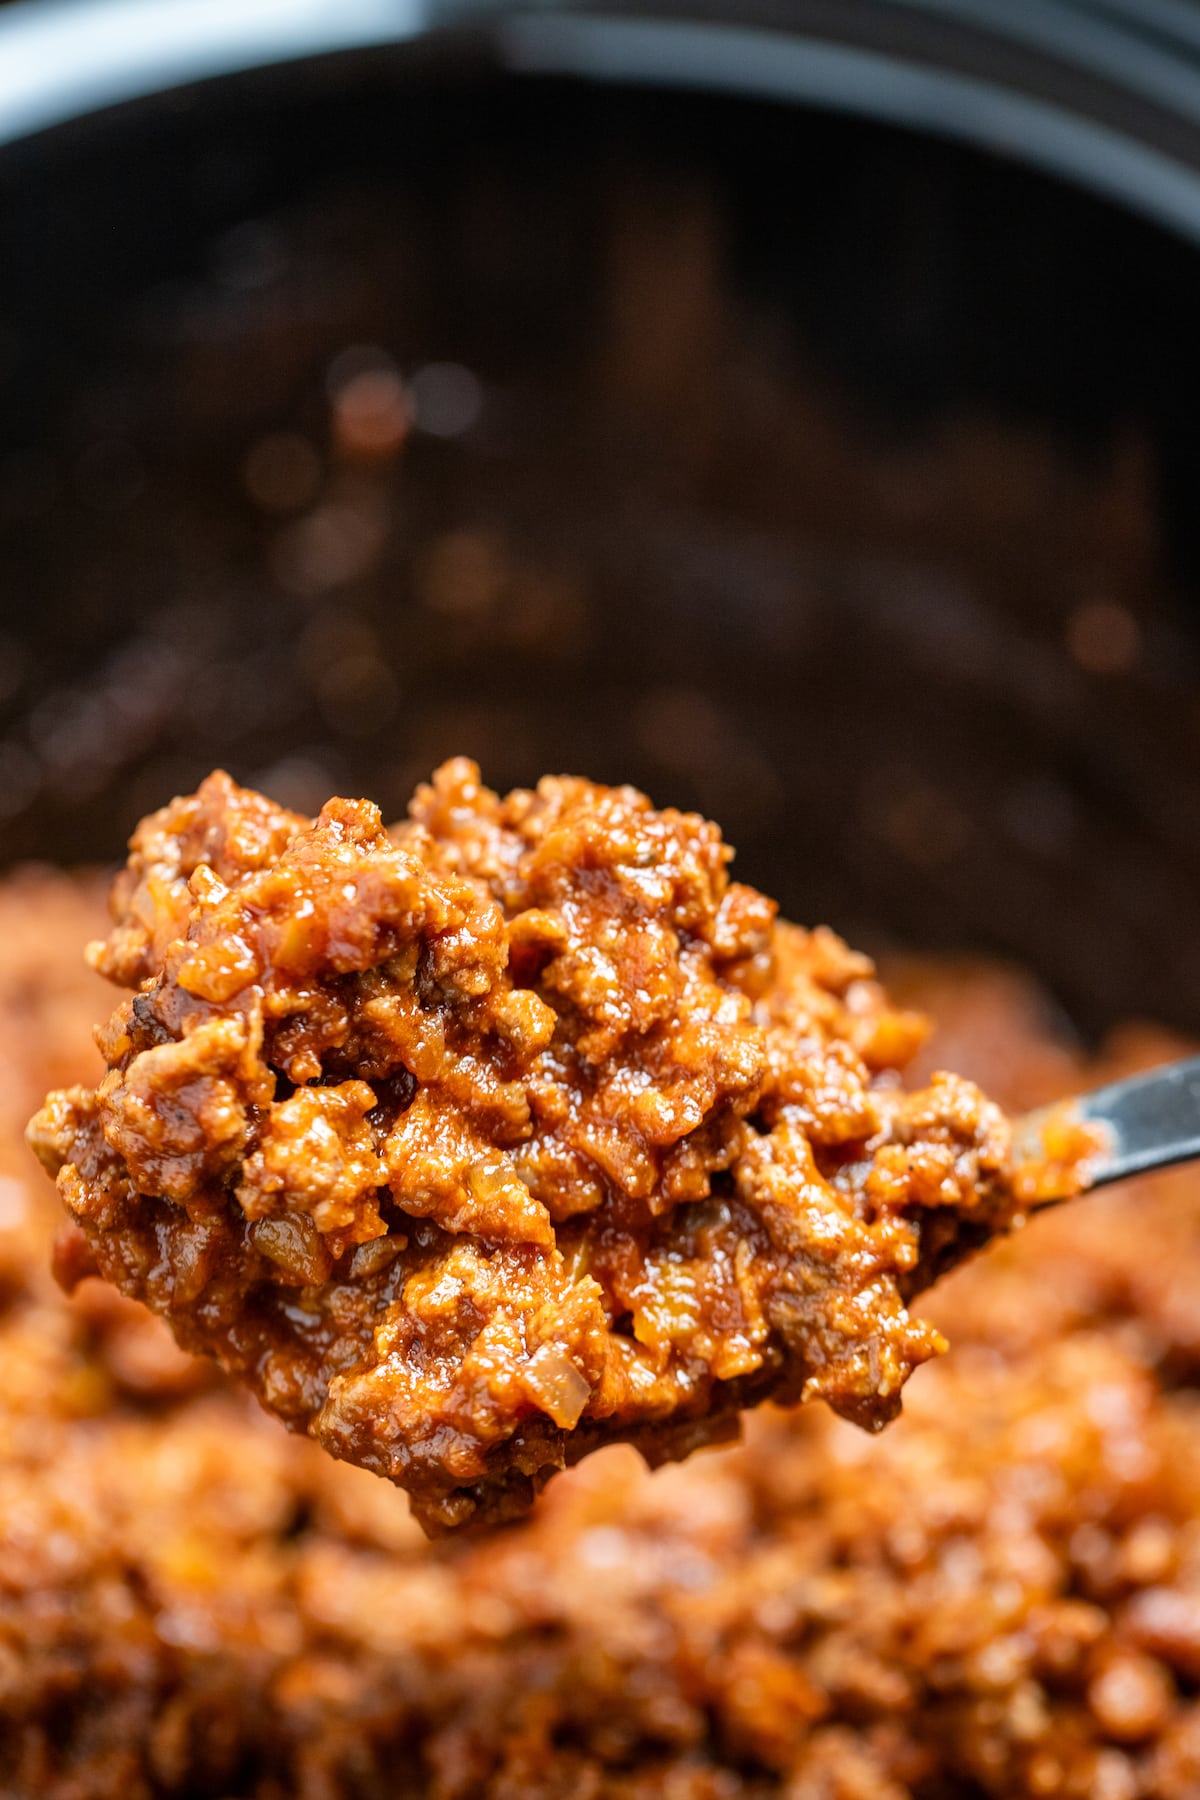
<point x="999" y="1597"/>
<point x="510" y="1132"/>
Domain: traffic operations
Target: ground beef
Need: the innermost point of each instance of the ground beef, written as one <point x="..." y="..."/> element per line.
<point x="513" y="1131"/>
<point x="999" y="1598"/>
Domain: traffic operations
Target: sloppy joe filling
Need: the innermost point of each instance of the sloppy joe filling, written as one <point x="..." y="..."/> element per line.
<point x="516" y="1129"/>
<point x="999" y="1597"/>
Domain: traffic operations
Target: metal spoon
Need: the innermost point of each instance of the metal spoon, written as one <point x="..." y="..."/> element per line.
<point x="1147" y="1122"/>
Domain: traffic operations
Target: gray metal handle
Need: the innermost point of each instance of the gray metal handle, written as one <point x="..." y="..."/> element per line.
<point x="1149" y="1121"/>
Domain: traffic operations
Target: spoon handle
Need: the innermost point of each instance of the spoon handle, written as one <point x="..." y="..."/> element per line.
<point x="1148" y="1121"/>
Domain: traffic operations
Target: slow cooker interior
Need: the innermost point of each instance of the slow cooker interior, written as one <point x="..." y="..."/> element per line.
<point x="811" y="473"/>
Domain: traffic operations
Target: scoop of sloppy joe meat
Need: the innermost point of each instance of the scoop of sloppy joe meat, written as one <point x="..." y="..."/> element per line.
<point x="478" y="1142"/>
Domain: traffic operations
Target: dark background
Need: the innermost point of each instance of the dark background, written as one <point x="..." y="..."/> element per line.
<point x="832" y="480"/>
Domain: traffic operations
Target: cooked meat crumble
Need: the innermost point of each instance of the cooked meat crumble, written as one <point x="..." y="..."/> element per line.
<point x="516" y="1130"/>
<point x="1000" y="1597"/>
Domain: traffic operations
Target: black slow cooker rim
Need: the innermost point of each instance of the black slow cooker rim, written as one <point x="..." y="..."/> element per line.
<point x="1103" y="93"/>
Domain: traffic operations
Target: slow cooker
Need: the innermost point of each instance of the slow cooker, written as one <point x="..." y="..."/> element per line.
<point x="784" y="406"/>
